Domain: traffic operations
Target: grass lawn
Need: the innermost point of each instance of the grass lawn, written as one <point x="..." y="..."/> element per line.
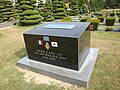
<point x="106" y="74"/>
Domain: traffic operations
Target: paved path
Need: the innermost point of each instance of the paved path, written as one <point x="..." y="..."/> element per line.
<point x="6" y="24"/>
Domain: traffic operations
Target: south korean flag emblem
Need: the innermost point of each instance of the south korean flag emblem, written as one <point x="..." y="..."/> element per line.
<point x="54" y="44"/>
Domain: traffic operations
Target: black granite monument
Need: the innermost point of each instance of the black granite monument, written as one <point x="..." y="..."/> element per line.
<point x="58" y="43"/>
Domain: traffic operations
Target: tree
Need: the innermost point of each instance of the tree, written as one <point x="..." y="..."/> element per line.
<point x="58" y="9"/>
<point x="30" y="14"/>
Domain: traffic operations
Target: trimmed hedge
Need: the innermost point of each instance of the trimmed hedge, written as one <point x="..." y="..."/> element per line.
<point x="7" y="11"/>
<point x="30" y="12"/>
<point x="29" y="22"/>
<point x="110" y="21"/>
<point x="112" y="14"/>
<point x="101" y="18"/>
<point x="66" y="19"/>
<point x="32" y="17"/>
<point x="94" y="22"/>
<point x="108" y="29"/>
<point x="83" y="19"/>
<point x="58" y="9"/>
<point x="29" y="15"/>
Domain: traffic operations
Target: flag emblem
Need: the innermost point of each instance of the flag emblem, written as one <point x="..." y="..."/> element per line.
<point x="45" y="38"/>
<point x="40" y="42"/>
<point x="54" y="44"/>
<point x="47" y="46"/>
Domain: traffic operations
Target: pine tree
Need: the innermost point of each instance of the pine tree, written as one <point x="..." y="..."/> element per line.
<point x="58" y="9"/>
<point x="75" y="10"/>
<point x="30" y="14"/>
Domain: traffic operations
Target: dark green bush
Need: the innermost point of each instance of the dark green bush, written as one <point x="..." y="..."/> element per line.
<point x="99" y="14"/>
<point x="50" y="19"/>
<point x="118" y="14"/>
<point x="110" y="21"/>
<point x="66" y="19"/>
<point x="101" y="18"/>
<point x="83" y="19"/>
<point x="108" y="29"/>
<point x="29" y="22"/>
<point x="94" y="22"/>
<point x="112" y="14"/>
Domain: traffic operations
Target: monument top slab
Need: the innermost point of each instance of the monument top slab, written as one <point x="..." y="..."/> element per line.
<point x="62" y="29"/>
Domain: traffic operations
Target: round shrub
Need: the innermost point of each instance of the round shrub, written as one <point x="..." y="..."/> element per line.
<point x="94" y="22"/>
<point x="110" y="21"/>
<point x="101" y="18"/>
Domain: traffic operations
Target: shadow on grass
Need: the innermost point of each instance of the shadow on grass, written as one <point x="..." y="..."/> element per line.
<point x="21" y="53"/>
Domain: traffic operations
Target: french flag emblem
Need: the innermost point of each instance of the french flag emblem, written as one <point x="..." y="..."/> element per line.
<point x="40" y="42"/>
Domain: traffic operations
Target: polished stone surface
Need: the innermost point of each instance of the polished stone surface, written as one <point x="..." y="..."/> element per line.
<point x="81" y="77"/>
<point x="58" y="46"/>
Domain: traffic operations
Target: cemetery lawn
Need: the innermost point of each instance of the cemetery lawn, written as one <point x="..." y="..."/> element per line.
<point x="106" y="74"/>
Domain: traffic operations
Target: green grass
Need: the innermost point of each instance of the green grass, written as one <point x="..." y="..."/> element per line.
<point x="106" y="74"/>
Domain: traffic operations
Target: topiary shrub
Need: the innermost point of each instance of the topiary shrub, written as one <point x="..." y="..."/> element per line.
<point x="75" y="10"/>
<point x="58" y="9"/>
<point x="112" y="14"/>
<point x="101" y="18"/>
<point x="6" y="11"/>
<point x="66" y="19"/>
<point x="94" y="22"/>
<point x="83" y="19"/>
<point x="46" y="12"/>
<point x="29" y="15"/>
<point x="110" y="21"/>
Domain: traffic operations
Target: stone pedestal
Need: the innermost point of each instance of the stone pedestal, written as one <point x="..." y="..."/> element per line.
<point x="80" y="77"/>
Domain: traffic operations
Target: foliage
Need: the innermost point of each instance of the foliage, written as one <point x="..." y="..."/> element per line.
<point x="29" y="15"/>
<point x="110" y="21"/>
<point x="108" y="28"/>
<point x="112" y="14"/>
<point x="94" y="22"/>
<point x="66" y="19"/>
<point x="46" y="12"/>
<point x="75" y="10"/>
<point x="58" y="9"/>
<point x="101" y="18"/>
<point x="83" y="19"/>
<point x="6" y="11"/>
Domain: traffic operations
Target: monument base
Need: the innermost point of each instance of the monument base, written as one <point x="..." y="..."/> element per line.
<point x="80" y="77"/>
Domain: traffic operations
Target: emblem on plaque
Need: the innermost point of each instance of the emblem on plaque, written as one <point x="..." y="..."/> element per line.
<point x="47" y="46"/>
